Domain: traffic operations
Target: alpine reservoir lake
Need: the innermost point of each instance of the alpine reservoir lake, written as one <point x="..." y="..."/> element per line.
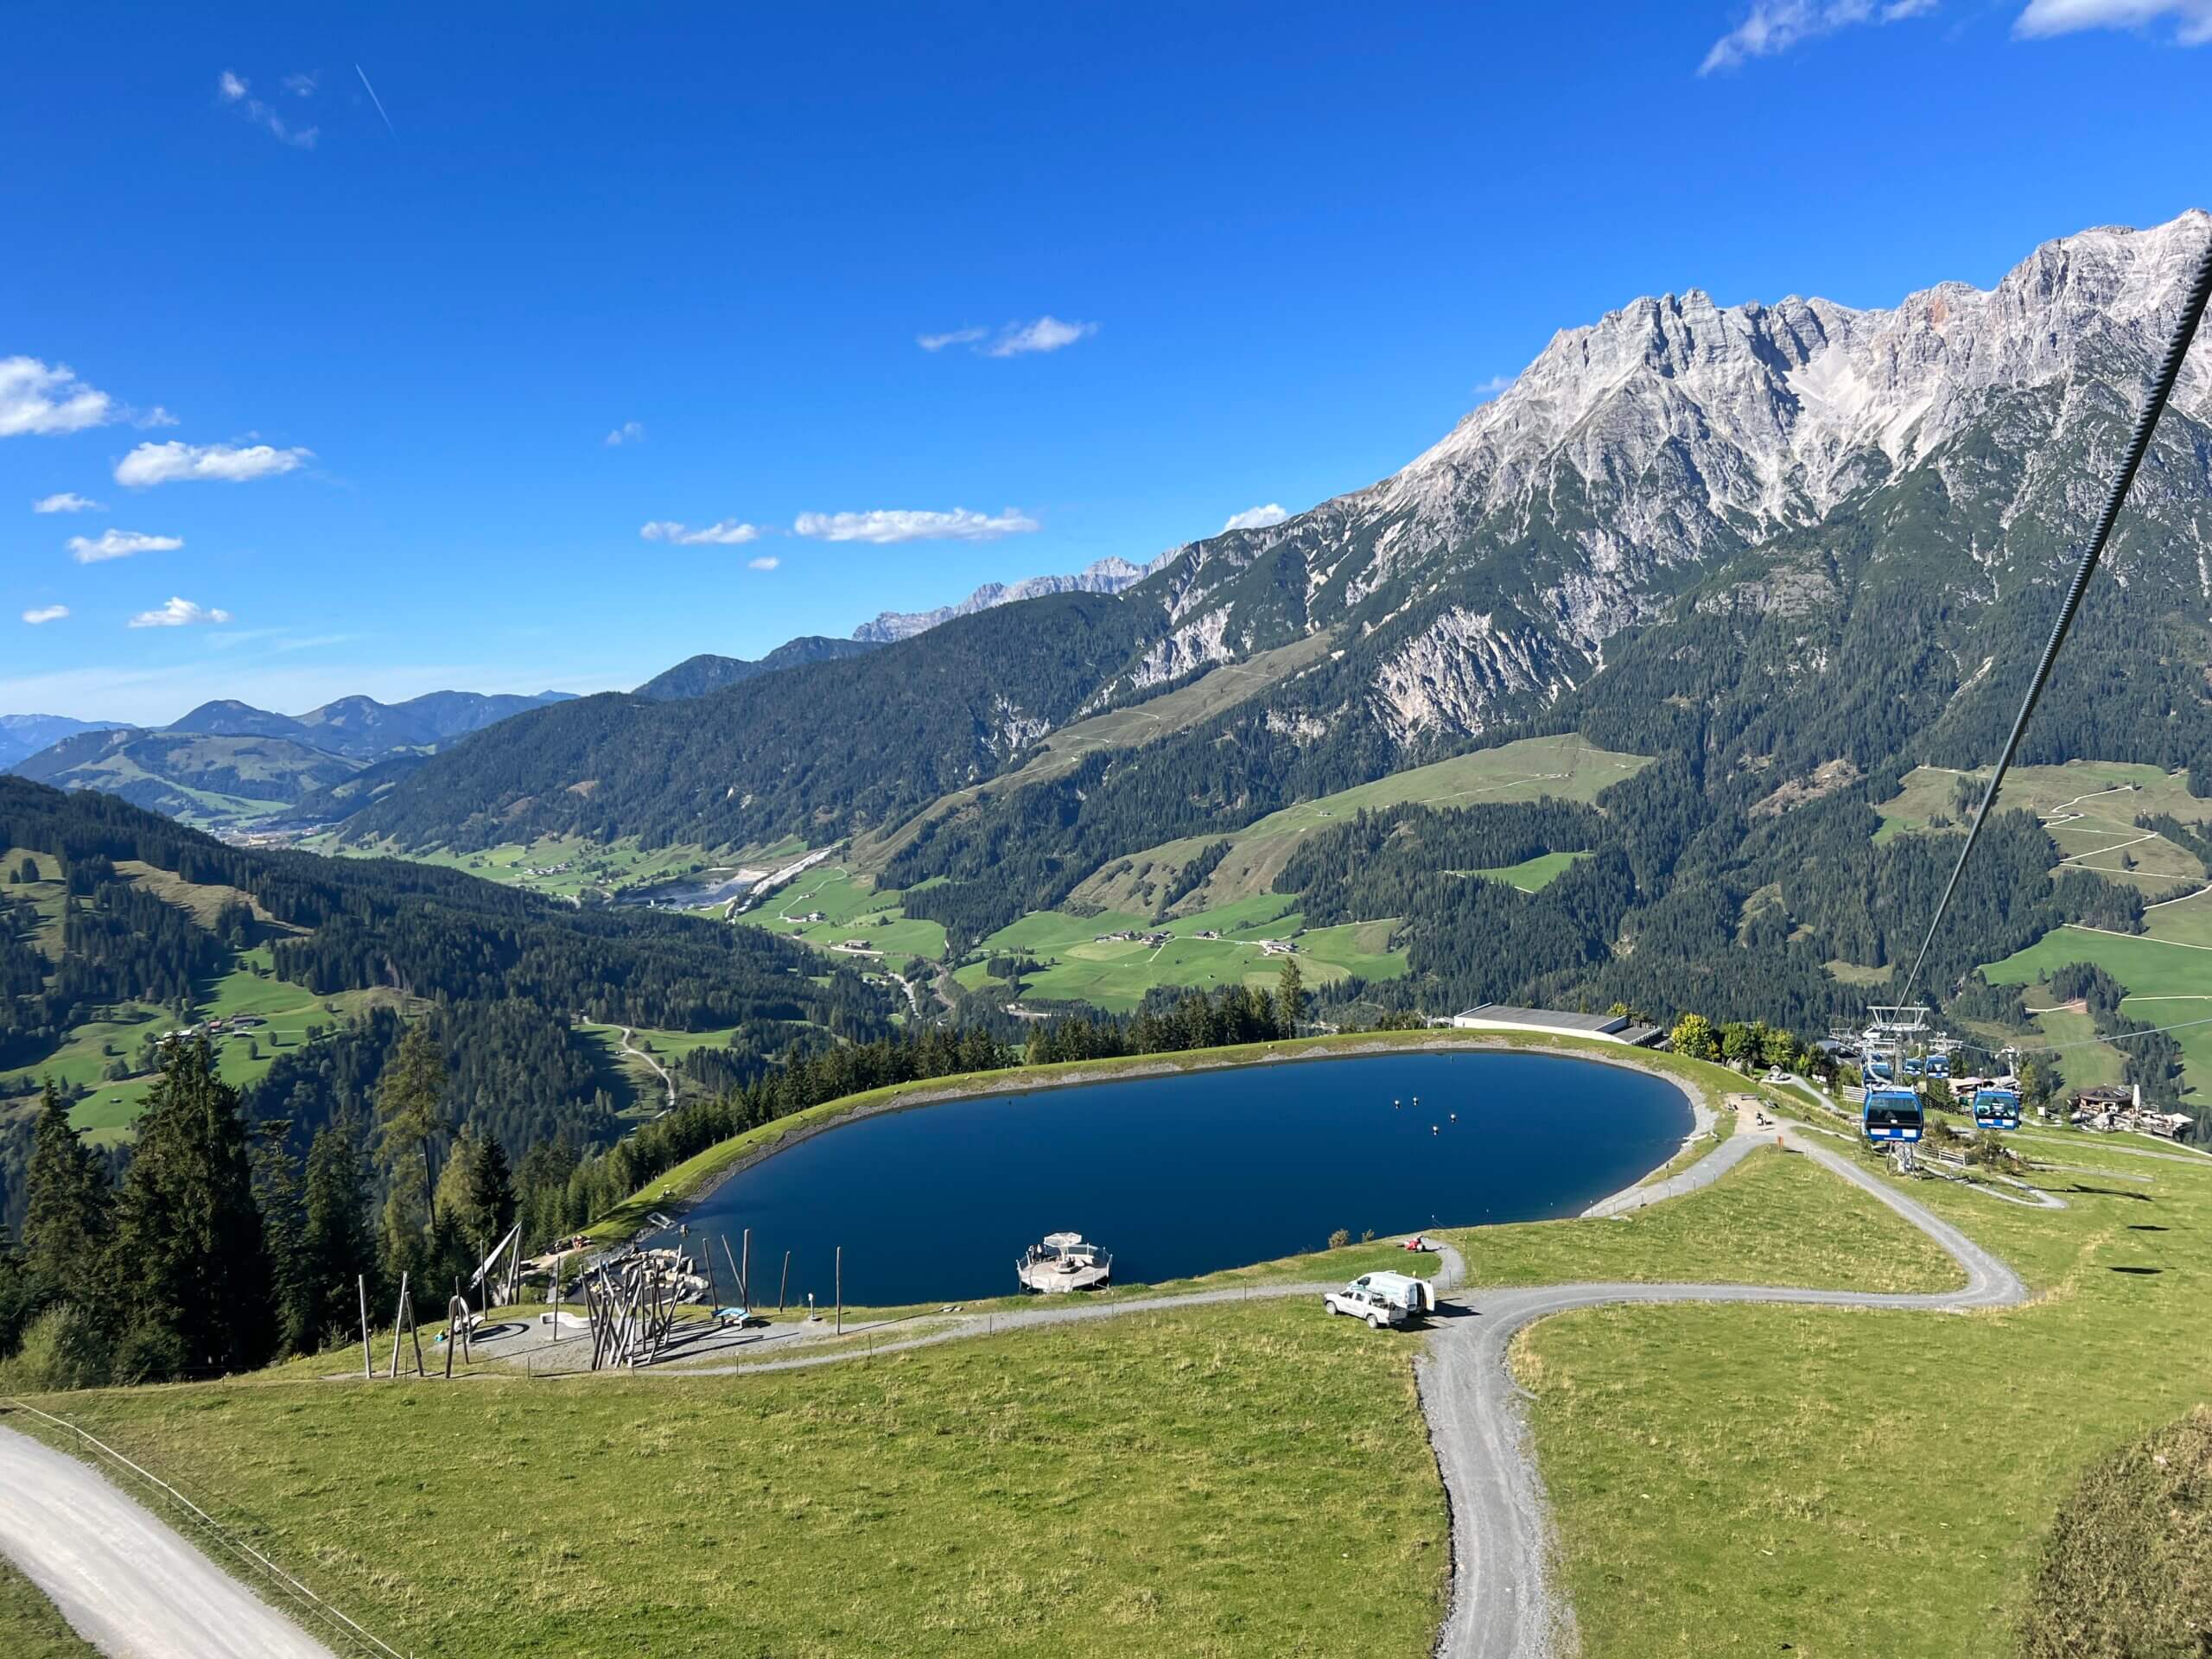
<point x="1187" y="1173"/>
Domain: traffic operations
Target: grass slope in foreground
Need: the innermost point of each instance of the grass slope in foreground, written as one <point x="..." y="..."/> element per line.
<point x="1727" y="1480"/>
<point x="31" y="1627"/>
<point x="1236" y="1478"/>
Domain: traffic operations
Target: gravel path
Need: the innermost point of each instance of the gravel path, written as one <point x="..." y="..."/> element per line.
<point x="125" y="1581"/>
<point x="1505" y="1604"/>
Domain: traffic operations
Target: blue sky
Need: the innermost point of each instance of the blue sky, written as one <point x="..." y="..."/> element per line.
<point x="365" y="375"/>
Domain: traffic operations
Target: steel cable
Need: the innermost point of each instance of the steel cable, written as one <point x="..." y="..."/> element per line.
<point x="2192" y="313"/>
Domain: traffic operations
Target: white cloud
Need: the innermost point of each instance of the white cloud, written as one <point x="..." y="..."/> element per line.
<point x="727" y="533"/>
<point x="120" y="544"/>
<point x="885" y="526"/>
<point x="299" y="86"/>
<point x="1774" y="26"/>
<point x="36" y="398"/>
<point x="155" y="416"/>
<point x="67" y="501"/>
<point x="628" y="432"/>
<point x="1256" y="518"/>
<point x="763" y="562"/>
<point x="1047" y="334"/>
<point x="45" y="614"/>
<point x="236" y="91"/>
<point x="1490" y="388"/>
<point x="175" y="463"/>
<point x="2192" y="18"/>
<point x="178" y="614"/>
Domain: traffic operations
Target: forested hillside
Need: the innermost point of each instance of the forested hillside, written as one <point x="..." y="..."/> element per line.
<point x="134" y="924"/>
<point x="821" y="750"/>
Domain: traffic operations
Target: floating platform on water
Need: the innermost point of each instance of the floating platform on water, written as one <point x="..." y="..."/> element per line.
<point x="1062" y="1262"/>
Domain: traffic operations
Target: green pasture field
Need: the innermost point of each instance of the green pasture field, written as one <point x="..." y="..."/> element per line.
<point x="1533" y="874"/>
<point x="2169" y="982"/>
<point x="1564" y="768"/>
<point x="1751" y="1480"/>
<point x="851" y="908"/>
<point x="1115" y="974"/>
<point x="2090" y="808"/>
<point x="594" y="867"/>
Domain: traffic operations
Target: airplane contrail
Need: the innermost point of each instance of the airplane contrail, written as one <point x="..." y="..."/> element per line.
<point x="374" y="99"/>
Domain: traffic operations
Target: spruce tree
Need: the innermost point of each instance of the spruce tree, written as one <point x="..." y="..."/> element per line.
<point x="411" y="1113"/>
<point x="1290" y="997"/>
<point x="191" y="1266"/>
<point x="68" y="1209"/>
<point x="491" y="1189"/>
<point x="277" y="1193"/>
<point x="338" y="1249"/>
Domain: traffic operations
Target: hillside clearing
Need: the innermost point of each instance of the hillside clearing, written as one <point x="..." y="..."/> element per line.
<point x="1564" y="768"/>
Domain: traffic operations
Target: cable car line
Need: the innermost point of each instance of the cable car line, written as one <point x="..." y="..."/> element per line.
<point x="2192" y="312"/>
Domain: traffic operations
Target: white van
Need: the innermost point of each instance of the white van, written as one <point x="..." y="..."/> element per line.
<point x="1384" y="1299"/>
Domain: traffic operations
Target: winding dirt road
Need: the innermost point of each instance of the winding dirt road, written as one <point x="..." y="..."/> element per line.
<point x="123" y="1578"/>
<point x="1503" y="1603"/>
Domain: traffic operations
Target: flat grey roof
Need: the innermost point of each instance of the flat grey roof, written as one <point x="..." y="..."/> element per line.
<point x="1506" y="1015"/>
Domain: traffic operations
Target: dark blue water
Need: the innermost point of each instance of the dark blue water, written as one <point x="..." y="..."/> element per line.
<point x="1185" y="1174"/>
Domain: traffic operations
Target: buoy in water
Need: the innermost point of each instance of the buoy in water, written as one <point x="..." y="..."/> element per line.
<point x="1455" y="1117"/>
<point x="1433" y="1129"/>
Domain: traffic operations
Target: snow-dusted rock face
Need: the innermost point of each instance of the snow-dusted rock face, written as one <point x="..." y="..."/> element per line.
<point x="1637" y="453"/>
<point x="1108" y="576"/>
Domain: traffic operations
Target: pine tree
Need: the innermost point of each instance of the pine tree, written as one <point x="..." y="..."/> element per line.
<point x="337" y="1249"/>
<point x="67" y="1215"/>
<point x="191" y="1264"/>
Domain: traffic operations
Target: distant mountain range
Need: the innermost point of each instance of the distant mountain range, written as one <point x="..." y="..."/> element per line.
<point x="228" y="762"/>
<point x="1107" y="576"/>
<point x="21" y="735"/>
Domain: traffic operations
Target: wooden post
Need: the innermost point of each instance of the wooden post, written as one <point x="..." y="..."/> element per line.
<point x="453" y="1327"/>
<point x="397" y="1314"/>
<point x="415" y="1330"/>
<point x="368" y="1360"/>
<point x="783" y="1284"/>
<point x="840" y="1290"/>
<point x="745" y="1271"/>
<point x="741" y="1302"/>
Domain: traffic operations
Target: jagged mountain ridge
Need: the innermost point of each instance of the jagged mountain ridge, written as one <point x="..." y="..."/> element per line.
<point x="1903" y="480"/>
<point x="1107" y="576"/>
<point x="1671" y="434"/>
